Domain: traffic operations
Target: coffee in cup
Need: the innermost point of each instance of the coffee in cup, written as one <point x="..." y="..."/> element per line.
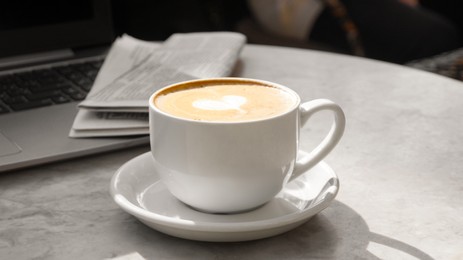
<point x="228" y="145"/>
<point x="224" y="102"/>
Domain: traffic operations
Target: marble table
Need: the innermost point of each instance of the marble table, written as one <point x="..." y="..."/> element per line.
<point x="399" y="163"/>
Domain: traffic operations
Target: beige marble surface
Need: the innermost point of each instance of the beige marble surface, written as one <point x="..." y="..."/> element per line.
<point x="399" y="163"/>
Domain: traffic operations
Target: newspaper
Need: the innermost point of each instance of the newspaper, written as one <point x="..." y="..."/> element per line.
<point x="117" y="104"/>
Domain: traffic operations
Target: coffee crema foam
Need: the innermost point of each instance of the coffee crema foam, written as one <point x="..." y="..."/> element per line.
<point x="225" y="102"/>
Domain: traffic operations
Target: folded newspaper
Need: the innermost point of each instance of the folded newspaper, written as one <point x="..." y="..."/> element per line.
<point x="117" y="104"/>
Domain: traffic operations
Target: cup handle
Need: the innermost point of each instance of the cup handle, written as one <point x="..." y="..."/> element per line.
<point x="307" y="109"/>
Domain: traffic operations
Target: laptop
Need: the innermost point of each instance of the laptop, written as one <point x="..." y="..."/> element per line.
<point x="50" y="53"/>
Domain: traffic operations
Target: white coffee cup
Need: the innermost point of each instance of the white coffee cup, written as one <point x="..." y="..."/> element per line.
<point x="223" y="166"/>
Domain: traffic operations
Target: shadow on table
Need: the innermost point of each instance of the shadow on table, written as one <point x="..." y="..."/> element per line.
<point x="336" y="233"/>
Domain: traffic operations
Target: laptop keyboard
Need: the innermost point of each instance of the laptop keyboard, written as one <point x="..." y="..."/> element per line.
<point x="44" y="87"/>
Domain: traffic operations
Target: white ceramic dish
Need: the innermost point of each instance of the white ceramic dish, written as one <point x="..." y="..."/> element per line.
<point x="136" y="188"/>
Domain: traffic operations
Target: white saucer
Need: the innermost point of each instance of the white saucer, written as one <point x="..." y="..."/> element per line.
<point x="136" y="188"/>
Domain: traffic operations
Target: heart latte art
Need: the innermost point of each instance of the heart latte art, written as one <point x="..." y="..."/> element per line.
<point x="225" y="102"/>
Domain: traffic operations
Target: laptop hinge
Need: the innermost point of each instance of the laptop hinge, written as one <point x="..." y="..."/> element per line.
<point x="35" y="58"/>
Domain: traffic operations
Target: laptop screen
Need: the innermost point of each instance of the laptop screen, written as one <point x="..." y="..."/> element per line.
<point x="28" y="26"/>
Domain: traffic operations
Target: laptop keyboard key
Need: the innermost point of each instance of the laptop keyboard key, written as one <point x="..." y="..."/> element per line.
<point x="43" y="95"/>
<point x="60" y="99"/>
<point x="70" y="90"/>
<point x="32" y="104"/>
<point x="85" y="83"/>
<point x="14" y="100"/>
<point x="78" y="96"/>
<point x="15" y="90"/>
<point x="4" y="109"/>
<point x="51" y="86"/>
<point x="75" y="93"/>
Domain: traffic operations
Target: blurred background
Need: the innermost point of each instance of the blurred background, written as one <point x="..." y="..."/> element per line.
<point x="426" y="34"/>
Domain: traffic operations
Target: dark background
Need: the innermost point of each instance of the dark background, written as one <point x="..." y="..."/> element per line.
<point x="157" y="20"/>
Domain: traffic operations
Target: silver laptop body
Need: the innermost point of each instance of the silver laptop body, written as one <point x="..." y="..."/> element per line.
<point x="46" y="35"/>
